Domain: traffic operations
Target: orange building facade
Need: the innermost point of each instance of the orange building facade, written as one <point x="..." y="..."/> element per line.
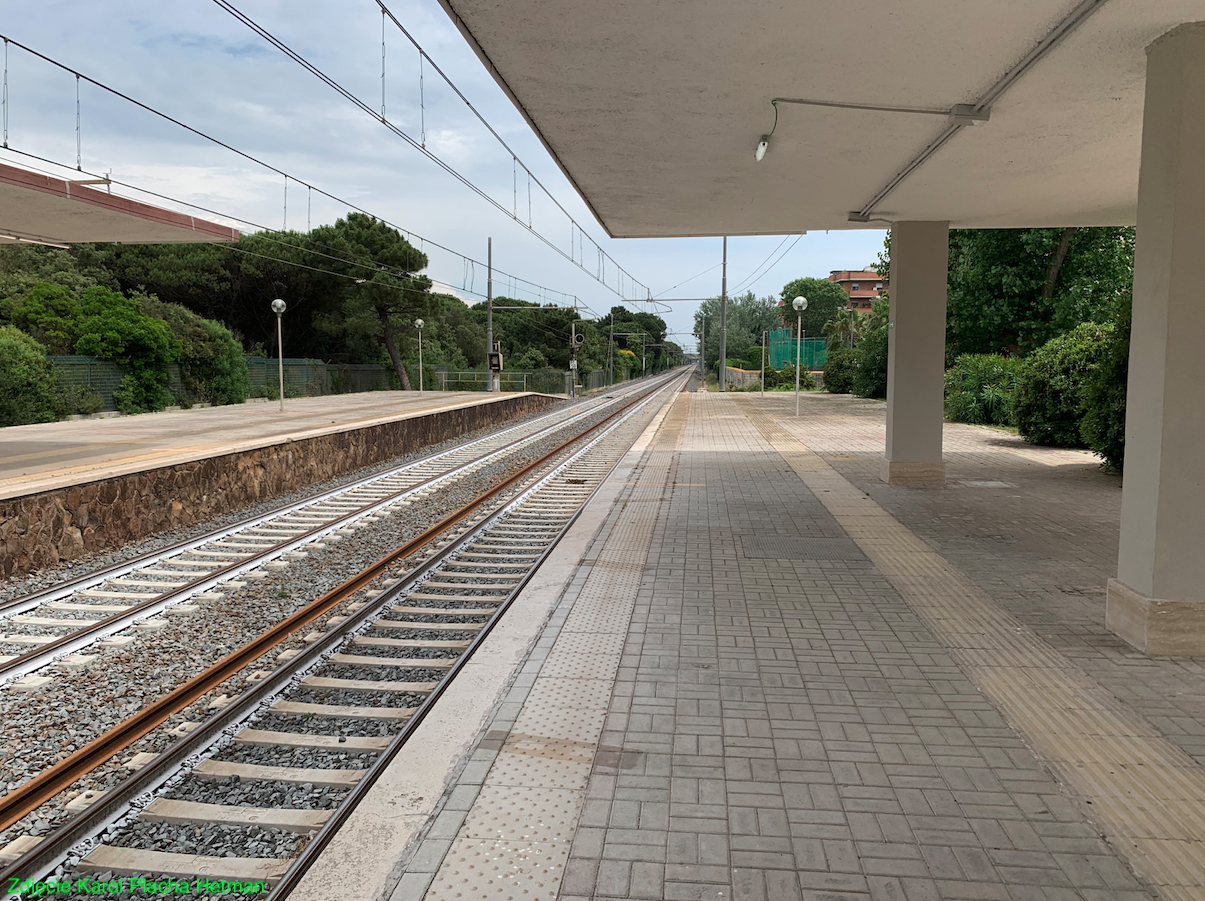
<point x="862" y="286"/>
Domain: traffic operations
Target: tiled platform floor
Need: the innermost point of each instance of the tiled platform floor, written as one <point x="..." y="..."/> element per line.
<point x="821" y="684"/>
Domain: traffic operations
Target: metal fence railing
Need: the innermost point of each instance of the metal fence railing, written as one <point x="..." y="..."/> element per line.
<point x="542" y="381"/>
<point x="303" y="378"/>
<point x="78" y="375"/>
<point x="813" y="351"/>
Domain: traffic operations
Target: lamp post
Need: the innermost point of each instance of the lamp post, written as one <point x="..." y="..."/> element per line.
<point x="800" y="304"/>
<point x="418" y="324"/>
<point x="278" y="307"/>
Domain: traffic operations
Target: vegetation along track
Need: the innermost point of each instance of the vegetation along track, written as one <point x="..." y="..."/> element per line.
<point x="292" y="753"/>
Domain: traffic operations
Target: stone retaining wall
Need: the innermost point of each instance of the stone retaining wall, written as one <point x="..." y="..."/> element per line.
<point x="40" y="530"/>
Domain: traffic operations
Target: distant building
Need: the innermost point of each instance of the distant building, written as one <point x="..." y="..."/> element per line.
<point x="862" y="286"/>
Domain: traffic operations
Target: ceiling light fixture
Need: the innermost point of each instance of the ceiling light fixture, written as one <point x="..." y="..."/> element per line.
<point x="763" y="143"/>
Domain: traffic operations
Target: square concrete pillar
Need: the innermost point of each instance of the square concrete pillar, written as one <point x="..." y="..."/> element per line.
<point x="916" y="354"/>
<point x="1157" y="601"/>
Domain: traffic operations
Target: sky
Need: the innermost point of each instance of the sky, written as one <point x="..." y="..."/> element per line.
<point x="194" y="61"/>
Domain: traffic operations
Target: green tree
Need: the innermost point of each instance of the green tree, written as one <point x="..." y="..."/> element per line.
<point x="1012" y="290"/>
<point x="748" y="317"/>
<point x="49" y="313"/>
<point x="379" y="304"/>
<point x="844" y="329"/>
<point x="213" y="368"/>
<point x="1104" y="424"/>
<point x="113" y="327"/>
<point x="29" y="393"/>
<point x="824" y="298"/>
<point x="1050" y="394"/>
<point x="870" y="379"/>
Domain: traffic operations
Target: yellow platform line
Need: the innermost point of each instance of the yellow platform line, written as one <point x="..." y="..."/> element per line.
<point x="1146" y="794"/>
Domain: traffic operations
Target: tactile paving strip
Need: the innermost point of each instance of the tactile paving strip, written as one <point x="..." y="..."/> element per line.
<point x="538" y="780"/>
<point x="485" y="869"/>
<point x="506" y="813"/>
<point x="1145" y="792"/>
<point x="541" y="720"/>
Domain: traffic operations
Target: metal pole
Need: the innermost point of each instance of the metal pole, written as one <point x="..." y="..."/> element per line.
<point x="724" y="320"/>
<point x="420" y="361"/>
<point x="702" y="353"/>
<point x="280" y="360"/>
<point x="798" y="346"/>
<point x="763" y="362"/>
<point x="489" y="309"/>
<point x="611" y="354"/>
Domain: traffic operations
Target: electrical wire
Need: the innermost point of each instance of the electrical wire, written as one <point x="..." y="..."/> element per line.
<point x="691" y="279"/>
<point x="751" y="275"/>
<point x="752" y="278"/>
<point x="416" y="145"/>
<point x="250" y="158"/>
<point x="265" y="229"/>
<point x="459" y="93"/>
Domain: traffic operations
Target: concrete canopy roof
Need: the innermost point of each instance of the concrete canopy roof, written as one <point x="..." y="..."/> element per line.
<point x="35" y="207"/>
<point x="653" y="109"/>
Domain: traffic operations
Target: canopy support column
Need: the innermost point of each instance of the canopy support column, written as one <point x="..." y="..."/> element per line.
<point x="1157" y="601"/>
<point x="916" y="342"/>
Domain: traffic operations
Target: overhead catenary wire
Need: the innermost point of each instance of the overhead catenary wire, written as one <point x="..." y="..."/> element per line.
<point x="225" y="146"/>
<point x="267" y="233"/>
<point x="756" y="275"/>
<point x="438" y="161"/>
<point x="494" y="132"/>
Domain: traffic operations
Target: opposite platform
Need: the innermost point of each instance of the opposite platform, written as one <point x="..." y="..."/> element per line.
<point x="771" y="678"/>
<point x="46" y="456"/>
<point x="68" y="488"/>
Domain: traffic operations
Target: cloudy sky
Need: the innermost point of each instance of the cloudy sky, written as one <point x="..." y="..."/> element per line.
<point x="194" y="61"/>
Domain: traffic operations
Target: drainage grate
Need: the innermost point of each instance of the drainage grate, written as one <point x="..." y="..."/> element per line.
<point x="775" y="547"/>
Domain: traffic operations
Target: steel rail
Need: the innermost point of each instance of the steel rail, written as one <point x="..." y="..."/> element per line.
<point x="42" y="656"/>
<point x="124" y="567"/>
<point x="57" y="778"/>
<point x="314" y="848"/>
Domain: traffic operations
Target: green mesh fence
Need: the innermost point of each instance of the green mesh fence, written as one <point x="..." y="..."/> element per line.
<point x="813" y="351"/>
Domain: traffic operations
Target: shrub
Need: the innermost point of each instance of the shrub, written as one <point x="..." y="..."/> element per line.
<point x="29" y="393"/>
<point x="532" y="358"/>
<point x="839" y="371"/>
<point x="784" y="379"/>
<point x="83" y="399"/>
<point x="980" y="389"/>
<point x="1051" y="385"/>
<point x="113" y="327"/>
<point x="47" y="312"/>
<point x="212" y="365"/>
<point x="870" y="380"/>
<point x="1104" y="423"/>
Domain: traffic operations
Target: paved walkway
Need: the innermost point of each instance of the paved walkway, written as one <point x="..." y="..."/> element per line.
<point x="53" y="455"/>
<point x="775" y="678"/>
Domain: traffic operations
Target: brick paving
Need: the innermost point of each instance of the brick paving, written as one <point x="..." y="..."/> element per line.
<point x="1043" y="546"/>
<point x="784" y="726"/>
<point x="788" y="729"/>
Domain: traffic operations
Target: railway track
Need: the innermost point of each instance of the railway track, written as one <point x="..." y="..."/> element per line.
<point x="58" y="623"/>
<point x="280" y="764"/>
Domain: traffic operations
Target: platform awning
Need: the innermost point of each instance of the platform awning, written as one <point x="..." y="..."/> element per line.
<point x="654" y="110"/>
<point x="36" y="207"/>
